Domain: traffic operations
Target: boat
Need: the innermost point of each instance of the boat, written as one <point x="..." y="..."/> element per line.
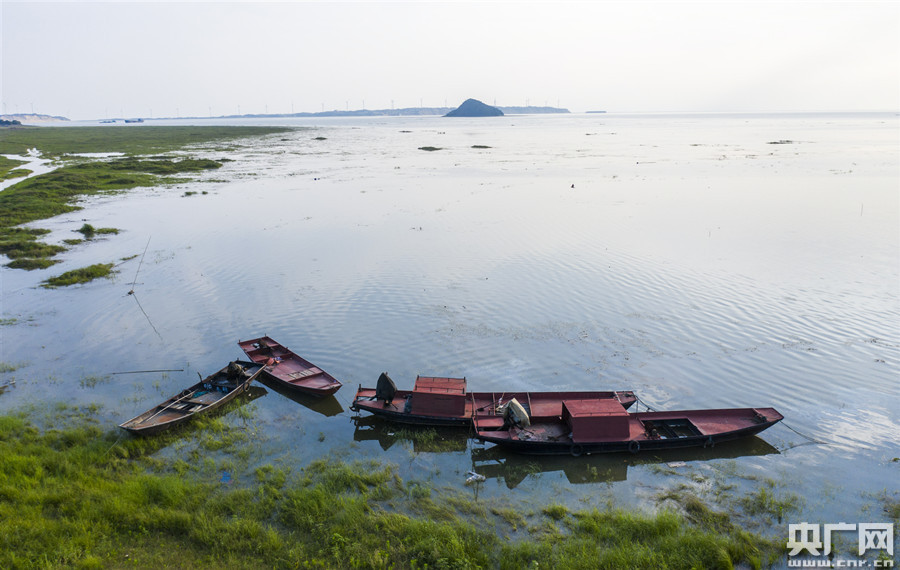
<point x="210" y="393"/>
<point x="604" y="426"/>
<point x="287" y="369"/>
<point x="439" y="401"/>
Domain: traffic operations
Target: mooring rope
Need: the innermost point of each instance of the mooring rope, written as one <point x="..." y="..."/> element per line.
<point x="811" y="439"/>
<point x="639" y="401"/>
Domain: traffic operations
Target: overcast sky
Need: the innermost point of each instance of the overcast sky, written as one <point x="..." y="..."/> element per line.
<point x="112" y="59"/>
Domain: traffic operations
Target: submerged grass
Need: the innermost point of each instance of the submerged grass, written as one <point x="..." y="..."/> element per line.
<point x="77" y="495"/>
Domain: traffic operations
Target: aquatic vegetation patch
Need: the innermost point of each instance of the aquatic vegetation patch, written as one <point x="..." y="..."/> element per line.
<point x="89" y="231"/>
<point x="9" y="367"/>
<point x="30" y="263"/>
<point x="92" y="380"/>
<point x="891" y="505"/>
<point x="22" y="245"/>
<point x="556" y="512"/>
<point x="77" y="495"/>
<point x="148" y="139"/>
<point x="480" y="146"/>
<point x="765" y="502"/>
<point x="76" y="276"/>
<point x="432" y="440"/>
<point x="430" y="148"/>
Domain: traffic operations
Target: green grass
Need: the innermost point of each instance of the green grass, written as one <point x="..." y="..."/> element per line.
<point x="81" y="496"/>
<point x="29" y="263"/>
<point x="146" y="139"/>
<point x="8" y="168"/>
<point x="88" y="231"/>
<point x="76" y="276"/>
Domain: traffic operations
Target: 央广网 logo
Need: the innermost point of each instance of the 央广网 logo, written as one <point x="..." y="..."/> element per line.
<point x="816" y="540"/>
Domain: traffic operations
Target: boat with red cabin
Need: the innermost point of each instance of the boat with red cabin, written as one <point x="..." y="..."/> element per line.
<point x="604" y="425"/>
<point x="439" y="401"/>
<point x="287" y="369"/>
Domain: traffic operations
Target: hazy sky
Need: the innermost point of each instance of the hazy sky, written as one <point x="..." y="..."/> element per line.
<point x="111" y="59"/>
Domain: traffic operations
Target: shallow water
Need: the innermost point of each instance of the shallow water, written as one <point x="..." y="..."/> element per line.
<point x="684" y="257"/>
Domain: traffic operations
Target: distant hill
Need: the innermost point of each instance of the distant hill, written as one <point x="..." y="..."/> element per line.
<point x="32" y="118"/>
<point x="475" y="108"/>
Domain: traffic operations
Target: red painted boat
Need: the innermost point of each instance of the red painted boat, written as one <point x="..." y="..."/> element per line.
<point x="444" y="401"/>
<point x="603" y="426"/>
<point x="287" y="369"/>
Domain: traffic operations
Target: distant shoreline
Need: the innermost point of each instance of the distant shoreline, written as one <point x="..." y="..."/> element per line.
<point x="404" y="112"/>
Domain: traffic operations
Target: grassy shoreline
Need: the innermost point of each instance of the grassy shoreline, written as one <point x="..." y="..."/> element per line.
<point x="57" y="192"/>
<point x="80" y="495"/>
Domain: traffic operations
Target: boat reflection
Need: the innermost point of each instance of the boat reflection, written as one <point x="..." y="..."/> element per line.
<point x="423" y="439"/>
<point x="327" y="406"/>
<point x="252" y="393"/>
<point x="513" y="468"/>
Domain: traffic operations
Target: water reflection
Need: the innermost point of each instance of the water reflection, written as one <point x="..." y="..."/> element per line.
<point x="328" y="406"/>
<point x="513" y="468"/>
<point x="423" y="439"/>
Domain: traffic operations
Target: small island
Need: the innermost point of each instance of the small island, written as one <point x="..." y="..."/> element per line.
<point x="475" y="108"/>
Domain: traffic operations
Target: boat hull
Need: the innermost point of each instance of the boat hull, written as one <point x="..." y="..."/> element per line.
<point x="288" y="370"/>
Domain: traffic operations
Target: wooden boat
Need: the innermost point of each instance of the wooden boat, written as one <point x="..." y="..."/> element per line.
<point x="602" y="426"/>
<point x="289" y="370"/>
<point x="444" y="401"/>
<point x="210" y="393"/>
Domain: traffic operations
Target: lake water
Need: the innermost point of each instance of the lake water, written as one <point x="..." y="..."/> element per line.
<point x="685" y="257"/>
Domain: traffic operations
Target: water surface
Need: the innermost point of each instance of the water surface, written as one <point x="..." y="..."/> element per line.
<point x="685" y="257"/>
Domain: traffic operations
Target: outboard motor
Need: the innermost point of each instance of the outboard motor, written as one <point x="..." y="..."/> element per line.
<point x="514" y="413"/>
<point x="235" y="371"/>
<point x="385" y="388"/>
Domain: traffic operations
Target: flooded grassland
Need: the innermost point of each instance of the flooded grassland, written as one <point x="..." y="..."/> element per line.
<point x="702" y="261"/>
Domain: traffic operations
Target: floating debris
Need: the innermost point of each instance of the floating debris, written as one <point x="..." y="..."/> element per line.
<point x="474" y="478"/>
